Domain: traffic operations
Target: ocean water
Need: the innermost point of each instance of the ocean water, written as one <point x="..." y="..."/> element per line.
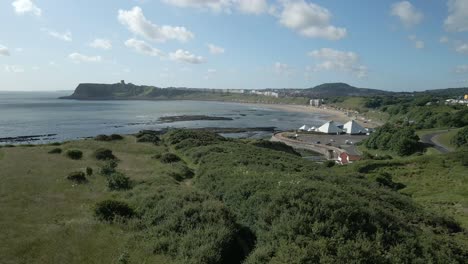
<point x="39" y="113"/>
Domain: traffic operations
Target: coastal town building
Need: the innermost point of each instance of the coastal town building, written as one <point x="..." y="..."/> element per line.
<point x="330" y="127"/>
<point x="315" y="102"/>
<point x="353" y="128"/>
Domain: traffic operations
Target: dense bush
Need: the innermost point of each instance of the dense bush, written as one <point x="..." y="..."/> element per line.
<point x="55" y="151"/>
<point x="400" y="139"/>
<point x="181" y="172"/>
<point x="169" y="158"/>
<point x="77" y="176"/>
<point x="103" y="154"/>
<point x="461" y="138"/>
<point x="89" y="171"/>
<point x="118" y="181"/>
<point x="109" y="167"/>
<point x="329" y="163"/>
<point x="108" y="138"/>
<point x="191" y="227"/>
<point x="301" y="215"/>
<point x="279" y="146"/>
<point x="109" y="210"/>
<point x="75" y="154"/>
<point x="148" y="136"/>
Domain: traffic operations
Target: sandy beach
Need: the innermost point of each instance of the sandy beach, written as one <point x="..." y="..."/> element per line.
<point x="330" y="113"/>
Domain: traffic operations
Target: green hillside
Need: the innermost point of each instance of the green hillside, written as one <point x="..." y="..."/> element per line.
<point x="195" y="197"/>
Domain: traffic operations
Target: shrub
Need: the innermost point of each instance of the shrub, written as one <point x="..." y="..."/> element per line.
<point x="103" y="154"/>
<point x="55" y="151"/>
<point x="89" y="171"/>
<point x="329" y="163"/>
<point x="116" y="137"/>
<point x="118" y="181"/>
<point x="109" y="210"/>
<point x="461" y="138"/>
<point x="148" y="136"/>
<point x="77" y="176"/>
<point x="109" y="167"/>
<point x="102" y="138"/>
<point x="181" y="173"/>
<point x="75" y="154"/>
<point x="279" y="146"/>
<point x="169" y="158"/>
<point x="55" y="144"/>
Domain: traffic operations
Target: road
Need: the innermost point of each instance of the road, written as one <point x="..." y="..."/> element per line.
<point x="431" y="139"/>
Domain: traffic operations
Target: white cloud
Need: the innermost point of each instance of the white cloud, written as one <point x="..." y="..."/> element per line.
<point x="457" y="21"/>
<point x="462" y="48"/>
<point x="14" y="68"/>
<point x="101" y="44"/>
<point x="215" y="49"/>
<point x="461" y="69"/>
<point x="444" y="39"/>
<point x="214" y="5"/>
<point x="142" y="47"/>
<point x="26" y="6"/>
<point x="419" y="44"/>
<point x="282" y="68"/>
<point x="66" y="36"/>
<point x="252" y="6"/>
<point x="335" y="60"/>
<point x="407" y="13"/>
<point x="77" y="58"/>
<point x="136" y="22"/>
<point x="309" y="20"/>
<point x="185" y="56"/>
<point x="4" y="51"/>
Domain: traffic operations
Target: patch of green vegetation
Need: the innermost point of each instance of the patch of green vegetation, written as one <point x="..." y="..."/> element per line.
<point x="77" y="177"/>
<point x="400" y="139"/>
<point x="74" y="154"/>
<point x="233" y="202"/>
<point x="55" y="151"/>
<point x="456" y="138"/>
<point x="437" y="181"/>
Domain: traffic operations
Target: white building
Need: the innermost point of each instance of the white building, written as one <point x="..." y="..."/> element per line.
<point x="353" y="128"/>
<point x="330" y="127"/>
<point x="315" y="102"/>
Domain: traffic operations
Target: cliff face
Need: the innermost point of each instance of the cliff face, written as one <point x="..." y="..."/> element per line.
<point x="89" y="91"/>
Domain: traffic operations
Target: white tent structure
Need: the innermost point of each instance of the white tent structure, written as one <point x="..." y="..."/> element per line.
<point x="330" y="127"/>
<point x="353" y="128"/>
<point x="304" y="128"/>
<point x="312" y="129"/>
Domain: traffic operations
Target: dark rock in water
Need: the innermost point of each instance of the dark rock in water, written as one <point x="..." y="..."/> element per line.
<point x="236" y="129"/>
<point x="21" y="139"/>
<point x="171" y="119"/>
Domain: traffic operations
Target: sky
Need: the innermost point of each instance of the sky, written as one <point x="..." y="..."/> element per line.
<point x="246" y="44"/>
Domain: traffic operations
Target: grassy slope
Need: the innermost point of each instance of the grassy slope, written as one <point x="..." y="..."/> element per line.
<point x="436" y="181"/>
<point x="445" y="139"/>
<point x="47" y="219"/>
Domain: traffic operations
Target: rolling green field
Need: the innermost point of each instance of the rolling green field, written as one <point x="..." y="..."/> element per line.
<point x="195" y="197"/>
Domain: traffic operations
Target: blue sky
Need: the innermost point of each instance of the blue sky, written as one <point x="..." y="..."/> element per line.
<point x="253" y="44"/>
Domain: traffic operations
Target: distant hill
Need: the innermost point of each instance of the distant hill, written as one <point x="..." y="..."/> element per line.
<point x="449" y="92"/>
<point x="341" y="89"/>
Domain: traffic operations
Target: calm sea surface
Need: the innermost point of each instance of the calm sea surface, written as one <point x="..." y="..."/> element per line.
<point x="38" y="113"/>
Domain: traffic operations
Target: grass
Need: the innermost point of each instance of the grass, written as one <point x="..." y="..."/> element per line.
<point x="435" y="181"/>
<point x="48" y="219"/>
<point x="445" y="139"/>
<point x="273" y="205"/>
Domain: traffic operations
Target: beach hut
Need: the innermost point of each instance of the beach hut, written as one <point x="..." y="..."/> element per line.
<point x="353" y="128"/>
<point x="304" y="128"/>
<point x="330" y="127"/>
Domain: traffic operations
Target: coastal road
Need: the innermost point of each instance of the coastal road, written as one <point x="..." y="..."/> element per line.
<point x="431" y="139"/>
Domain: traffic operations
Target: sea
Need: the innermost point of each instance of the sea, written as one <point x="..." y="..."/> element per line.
<point x="40" y="117"/>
